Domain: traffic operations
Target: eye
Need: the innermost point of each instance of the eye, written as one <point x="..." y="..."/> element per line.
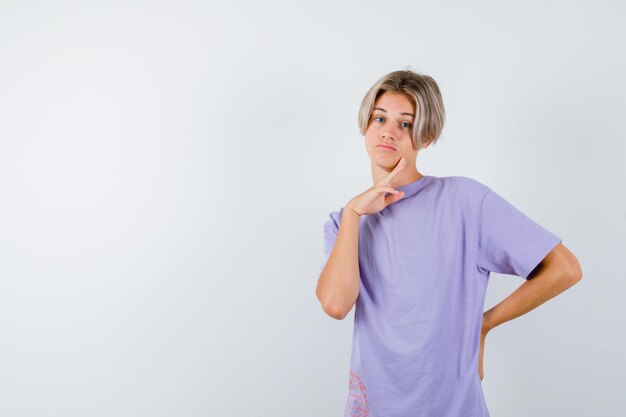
<point x="378" y="117"/>
<point x="407" y="125"/>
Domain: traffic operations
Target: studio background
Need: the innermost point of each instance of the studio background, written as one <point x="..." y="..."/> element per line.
<point x="166" y="169"/>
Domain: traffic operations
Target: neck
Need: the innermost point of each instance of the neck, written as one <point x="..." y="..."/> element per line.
<point x="408" y="175"/>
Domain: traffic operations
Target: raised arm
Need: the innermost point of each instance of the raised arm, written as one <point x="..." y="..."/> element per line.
<point x="338" y="285"/>
<point x="339" y="282"/>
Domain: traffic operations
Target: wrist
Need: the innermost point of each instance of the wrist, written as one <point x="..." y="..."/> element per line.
<point x="486" y="325"/>
<point x="351" y="212"/>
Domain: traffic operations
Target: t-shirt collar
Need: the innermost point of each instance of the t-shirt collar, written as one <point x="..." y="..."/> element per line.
<point x="413" y="188"/>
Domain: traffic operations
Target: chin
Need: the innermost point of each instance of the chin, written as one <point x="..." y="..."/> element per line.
<point x="387" y="161"/>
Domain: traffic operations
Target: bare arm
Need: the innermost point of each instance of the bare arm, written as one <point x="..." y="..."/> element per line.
<point x="558" y="271"/>
<point x="339" y="282"/>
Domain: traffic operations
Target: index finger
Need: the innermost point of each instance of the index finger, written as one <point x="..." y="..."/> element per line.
<point x="396" y="171"/>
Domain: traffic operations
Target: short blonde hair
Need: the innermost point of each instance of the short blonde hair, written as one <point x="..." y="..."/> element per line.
<point x="423" y="91"/>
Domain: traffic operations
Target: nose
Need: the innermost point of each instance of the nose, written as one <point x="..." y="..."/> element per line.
<point x="389" y="133"/>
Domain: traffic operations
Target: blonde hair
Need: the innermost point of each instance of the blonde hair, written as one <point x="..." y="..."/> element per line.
<point x="422" y="91"/>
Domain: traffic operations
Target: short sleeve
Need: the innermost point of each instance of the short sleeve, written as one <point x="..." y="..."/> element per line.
<point x="331" y="228"/>
<point x="509" y="241"/>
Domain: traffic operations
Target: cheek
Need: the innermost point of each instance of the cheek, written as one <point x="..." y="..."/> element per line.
<point x="407" y="147"/>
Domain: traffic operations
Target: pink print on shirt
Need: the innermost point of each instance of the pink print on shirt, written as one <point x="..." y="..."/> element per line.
<point x="358" y="397"/>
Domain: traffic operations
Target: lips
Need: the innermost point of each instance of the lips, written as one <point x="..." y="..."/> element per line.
<point x="387" y="147"/>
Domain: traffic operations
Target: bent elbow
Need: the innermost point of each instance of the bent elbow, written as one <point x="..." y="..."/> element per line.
<point x="575" y="271"/>
<point x="572" y="267"/>
<point x="337" y="314"/>
<point x="336" y="304"/>
<point x="577" y="274"/>
<point x="334" y="311"/>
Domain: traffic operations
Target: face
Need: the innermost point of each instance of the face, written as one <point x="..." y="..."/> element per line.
<point x="388" y="136"/>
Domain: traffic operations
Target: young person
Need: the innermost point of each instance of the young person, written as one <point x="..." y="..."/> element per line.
<point x="413" y="254"/>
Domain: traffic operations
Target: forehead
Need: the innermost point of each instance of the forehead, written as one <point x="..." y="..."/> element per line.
<point x="394" y="103"/>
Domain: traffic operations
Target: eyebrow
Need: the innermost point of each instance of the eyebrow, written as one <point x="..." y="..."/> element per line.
<point x="408" y="114"/>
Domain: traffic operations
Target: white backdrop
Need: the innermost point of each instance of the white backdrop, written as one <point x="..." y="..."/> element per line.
<point x="166" y="168"/>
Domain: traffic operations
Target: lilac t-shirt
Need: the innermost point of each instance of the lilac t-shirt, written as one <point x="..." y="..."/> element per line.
<point x="424" y="264"/>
